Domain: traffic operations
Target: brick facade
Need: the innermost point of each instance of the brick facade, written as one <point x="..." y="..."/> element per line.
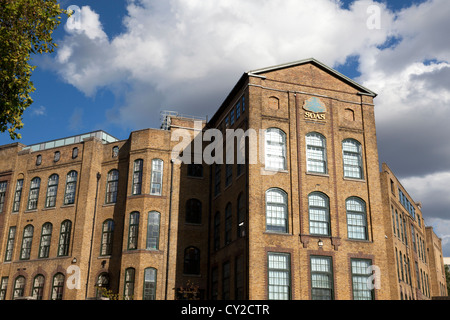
<point x="212" y="225"/>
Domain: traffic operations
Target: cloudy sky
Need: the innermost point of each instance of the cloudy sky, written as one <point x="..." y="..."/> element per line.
<point x="119" y="63"/>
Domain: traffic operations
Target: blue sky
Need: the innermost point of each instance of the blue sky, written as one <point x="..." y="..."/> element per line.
<point x="127" y="60"/>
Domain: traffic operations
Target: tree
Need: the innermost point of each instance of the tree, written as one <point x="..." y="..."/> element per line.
<point x="26" y="28"/>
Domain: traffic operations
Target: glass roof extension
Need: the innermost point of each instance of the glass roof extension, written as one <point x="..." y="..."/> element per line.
<point x="102" y="135"/>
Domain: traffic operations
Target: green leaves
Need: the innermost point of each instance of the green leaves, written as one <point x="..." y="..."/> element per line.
<point x="26" y="28"/>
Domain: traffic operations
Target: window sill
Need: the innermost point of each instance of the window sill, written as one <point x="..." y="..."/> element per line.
<point x="326" y="175"/>
<point x="355" y="179"/>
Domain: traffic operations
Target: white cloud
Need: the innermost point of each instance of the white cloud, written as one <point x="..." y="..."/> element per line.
<point x="39" y="111"/>
<point x="186" y="56"/>
<point x="203" y="47"/>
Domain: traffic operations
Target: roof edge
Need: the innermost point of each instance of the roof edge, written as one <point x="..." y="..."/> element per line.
<point x="365" y="91"/>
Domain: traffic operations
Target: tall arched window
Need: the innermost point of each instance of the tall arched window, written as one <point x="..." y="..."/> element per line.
<point x="34" y="193"/>
<point x="38" y="287"/>
<point x="191" y="261"/>
<point x="71" y="185"/>
<point x="275" y="149"/>
<point x="52" y="189"/>
<point x="241" y="216"/>
<point x="217" y="231"/>
<point x="133" y="231"/>
<point x="276" y="210"/>
<point x="19" y="287"/>
<point x="46" y="237"/>
<point x="64" y="238"/>
<point x="128" y="289"/>
<point x="111" y="186"/>
<point x="356" y="218"/>
<point x="153" y="230"/>
<point x="194" y="211"/>
<point x="27" y="240"/>
<point x="57" y="287"/>
<point x="107" y="237"/>
<point x="157" y="177"/>
<point x="228" y="223"/>
<point x="316" y="156"/>
<point x="352" y="157"/>
<point x="137" y="176"/>
<point x="149" y="284"/>
<point x="102" y="284"/>
<point x="319" y="214"/>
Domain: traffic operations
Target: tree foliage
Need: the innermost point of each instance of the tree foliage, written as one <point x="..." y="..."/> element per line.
<point x="26" y="28"/>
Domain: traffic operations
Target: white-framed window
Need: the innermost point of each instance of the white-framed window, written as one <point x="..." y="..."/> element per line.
<point x="322" y="287"/>
<point x="275" y="149"/>
<point x="279" y="276"/>
<point x="360" y="279"/>
<point x="157" y="177"/>
<point x="276" y="210"/>
<point x="316" y="155"/>
<point x="319" y="214"/>
<point x="352" y="158"/>
<point x="356" y="218"/>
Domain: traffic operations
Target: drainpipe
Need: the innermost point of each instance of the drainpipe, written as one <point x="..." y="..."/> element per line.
<point x="169" y="229"/>
<point x="92" y="236"/>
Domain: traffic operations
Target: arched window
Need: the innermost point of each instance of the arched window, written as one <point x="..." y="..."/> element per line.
<point x="102" y="284"/>
<point x="115" y="151"/>
<point x="137" y="176"/>
<point x="71" y="185"/>
<point x="111" y="186"/>
<point x="153" y="230"/>
<point x="228" y="223"/>
<point x="217" y="231"/>
<point x="46" y="237"/>
<point x="75" y="153"/>
<point x="133" y="231"/>
<point x="356" y="218"/>
<point x="191" y="261"/>
<point x="275" y="149"/>
<point x="57" y="287"/>
<point x="352" y="156"/>
<point x="319" y="214"/>
<point x="64" y="238"/>
<point x="316" y="156"/>
<point x="38" y="160"/>
<point x="34" y="193"/>
<point x="19" y="287"/>
<point x="107" y="237"/>
<point x="194" y="211"/>
<point x="38" y="287"/>
<point x="52" y="190"/>
<point x="128" y="289"/>
<point x="276" y="211"/>
<point x="27" y="241"/>
<point x="241" y="216"/>
<point x="274" y="103"/>
<point x="157" y="177"/>
<point x="149" y="284"/>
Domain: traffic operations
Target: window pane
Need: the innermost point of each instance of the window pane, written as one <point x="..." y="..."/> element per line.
<point x="279" y="276"/>
<point x="276" y="210"/>
<point x="275" y="149"/>
<point x="321" y="278"/>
